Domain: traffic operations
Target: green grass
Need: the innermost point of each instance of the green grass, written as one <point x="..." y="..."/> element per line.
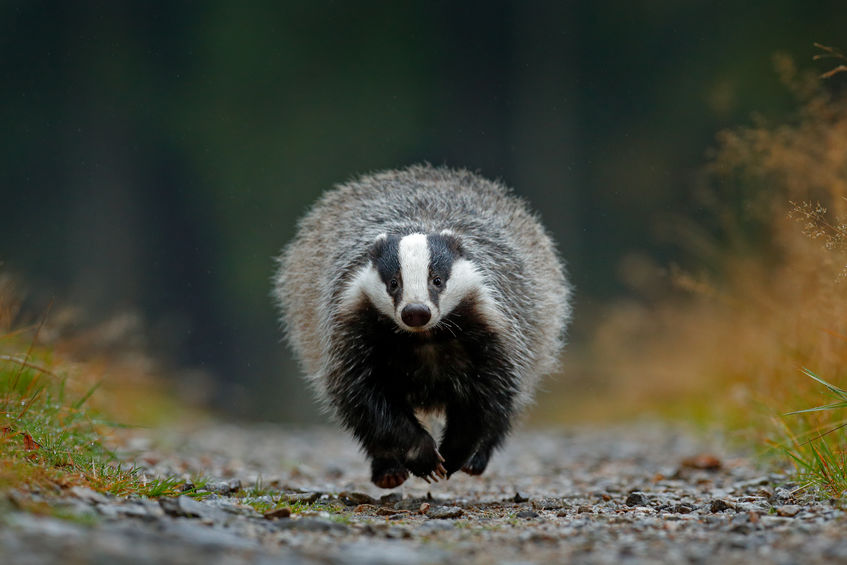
<point x="819" y="450"/>
<point x="50" y="439"/>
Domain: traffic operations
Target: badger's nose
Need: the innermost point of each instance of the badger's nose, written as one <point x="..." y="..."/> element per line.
<point x="415" y="315"/>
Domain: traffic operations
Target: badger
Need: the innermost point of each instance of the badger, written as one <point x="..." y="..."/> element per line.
<point x="425" y="290"/>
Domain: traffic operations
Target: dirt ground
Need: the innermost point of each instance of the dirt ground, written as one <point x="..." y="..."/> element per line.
<point x="270" y="494"/>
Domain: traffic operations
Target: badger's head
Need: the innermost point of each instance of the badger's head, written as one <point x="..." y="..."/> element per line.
<point x="417" y="279"/>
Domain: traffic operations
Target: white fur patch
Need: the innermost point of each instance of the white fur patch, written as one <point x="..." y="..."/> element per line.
<point x="368" y="282"/>
<point x="465" y="281"/>
<point x="414" y="258"/>
<point x="414" y="268"/>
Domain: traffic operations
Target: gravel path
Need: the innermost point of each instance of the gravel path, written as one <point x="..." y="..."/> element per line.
<point x="636" y="495"/>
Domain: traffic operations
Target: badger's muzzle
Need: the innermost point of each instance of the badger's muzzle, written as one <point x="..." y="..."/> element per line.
<point x="415" y="315"/>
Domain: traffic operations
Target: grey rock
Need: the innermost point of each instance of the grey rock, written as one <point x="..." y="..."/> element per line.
<point x="719" y="505"/>
<point x="88" y="495"/>
<point x="355" y="498"/>
<point x="442" y="512"/>
<point x="312" y="524"/>
<point x="411" y="504"/>
<point x="436" y="525"/>
<point x="637" y="499"/>
<point x="186" y="507"/>
<point x="224" y="487"/>
<point x="788" y="510"/>
<point x="548" y="503"/>
<point x="302" y="498"/>
<point x="390" y="498"/>
<point x="527" y="514"/>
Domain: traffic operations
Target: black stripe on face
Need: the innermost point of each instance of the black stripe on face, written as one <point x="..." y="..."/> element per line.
<point x="385" y="256"/>
<point x="443" y="251"/>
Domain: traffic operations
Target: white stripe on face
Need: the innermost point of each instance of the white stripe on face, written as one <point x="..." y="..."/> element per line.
<point x="367" y="282"/>
<point x="414" y="268"/>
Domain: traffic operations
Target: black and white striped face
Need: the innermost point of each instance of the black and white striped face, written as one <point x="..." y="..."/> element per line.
<point x="415" y="279"/>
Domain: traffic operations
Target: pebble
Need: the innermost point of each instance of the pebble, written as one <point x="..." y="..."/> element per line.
<point x="312" y="524"/>
<point x="637" y="499"/>
<point x="788" y="510"/>
<point x="548" y="503"/>
<point x="355" y="498"/>
<point x="719" y="505"/>
<point x="442" y="512"/>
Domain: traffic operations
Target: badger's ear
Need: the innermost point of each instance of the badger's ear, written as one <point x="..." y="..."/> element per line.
<point x="378" y="246"/>
<point x="454" y="244"/>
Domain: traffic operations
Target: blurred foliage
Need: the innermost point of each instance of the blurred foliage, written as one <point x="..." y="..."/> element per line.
<point x="158" y="154"/>
<point x="725" y="341"/>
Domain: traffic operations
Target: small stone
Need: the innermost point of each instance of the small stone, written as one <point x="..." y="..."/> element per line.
<point x="519" y="498"/>
<point x="636" y="499"/>
<point x="386" y="511"/>
<point x="606" y="497"/>
<point x="390" y="498"/>
<point x="424" y="508"/>
<point x="355" y="498"/>
<point x="719" y="505"/>
<point x="585" y="510"/>
<point x="527" y="514"/>
<point x="788" y="510"/>
<point x="413" y="504"/>
<point x="186" y="507"/>
<point x="181" y="507"/>
<point x="311" y="524"/>
<point x="443" y="512"/>
<point x="682" y="509"/>
<point x="277" y="513"/>
<point x="783" y="494"/>
<point x="219" y="487"/>
<point x="548" y="504"/>
<point x="437" y="525"/>
<point x="302" y="498"/>
<point x="88" y="495"/>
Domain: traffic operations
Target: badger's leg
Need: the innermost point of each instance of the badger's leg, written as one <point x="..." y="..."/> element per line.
<point x="471" y="434"/>
<point x="391" y="435"/>
<point x="479" y="461"/>
<point x="388" y="472"/>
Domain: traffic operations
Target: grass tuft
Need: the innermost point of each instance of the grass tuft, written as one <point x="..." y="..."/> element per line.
<point x="51" y="438"/>
<point x="818" y="452"/>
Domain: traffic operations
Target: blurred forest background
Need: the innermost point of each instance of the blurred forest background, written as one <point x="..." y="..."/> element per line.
<point x="156" y="155"/>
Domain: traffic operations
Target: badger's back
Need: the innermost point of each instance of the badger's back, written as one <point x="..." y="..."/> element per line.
<point x="508" y="245"/>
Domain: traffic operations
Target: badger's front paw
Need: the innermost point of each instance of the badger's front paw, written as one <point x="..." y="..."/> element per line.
<point x="388" y="473"/>
<point x="424" y="461"/>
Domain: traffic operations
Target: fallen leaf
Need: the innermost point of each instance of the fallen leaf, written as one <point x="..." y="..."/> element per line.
<point x="705" y="461"/>
<point x="29" y="443"/>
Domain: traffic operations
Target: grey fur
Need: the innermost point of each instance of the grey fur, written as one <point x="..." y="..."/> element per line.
<point x="508" y="244"/>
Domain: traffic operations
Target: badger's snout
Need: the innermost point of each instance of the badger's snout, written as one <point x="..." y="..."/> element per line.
<point x="415" y="315"/>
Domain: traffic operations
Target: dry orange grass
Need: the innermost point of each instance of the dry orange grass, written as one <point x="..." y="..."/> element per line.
<point x="763" y="295"/>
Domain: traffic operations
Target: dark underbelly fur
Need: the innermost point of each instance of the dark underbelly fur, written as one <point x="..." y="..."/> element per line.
<point x="458" y="367"/>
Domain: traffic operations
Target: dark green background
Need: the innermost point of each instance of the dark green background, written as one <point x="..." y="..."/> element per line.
<point x="156" y="155"/>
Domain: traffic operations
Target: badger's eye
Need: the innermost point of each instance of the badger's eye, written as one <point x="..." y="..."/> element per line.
<point x="393" y="284"/>
<point x="436" y="281"/>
